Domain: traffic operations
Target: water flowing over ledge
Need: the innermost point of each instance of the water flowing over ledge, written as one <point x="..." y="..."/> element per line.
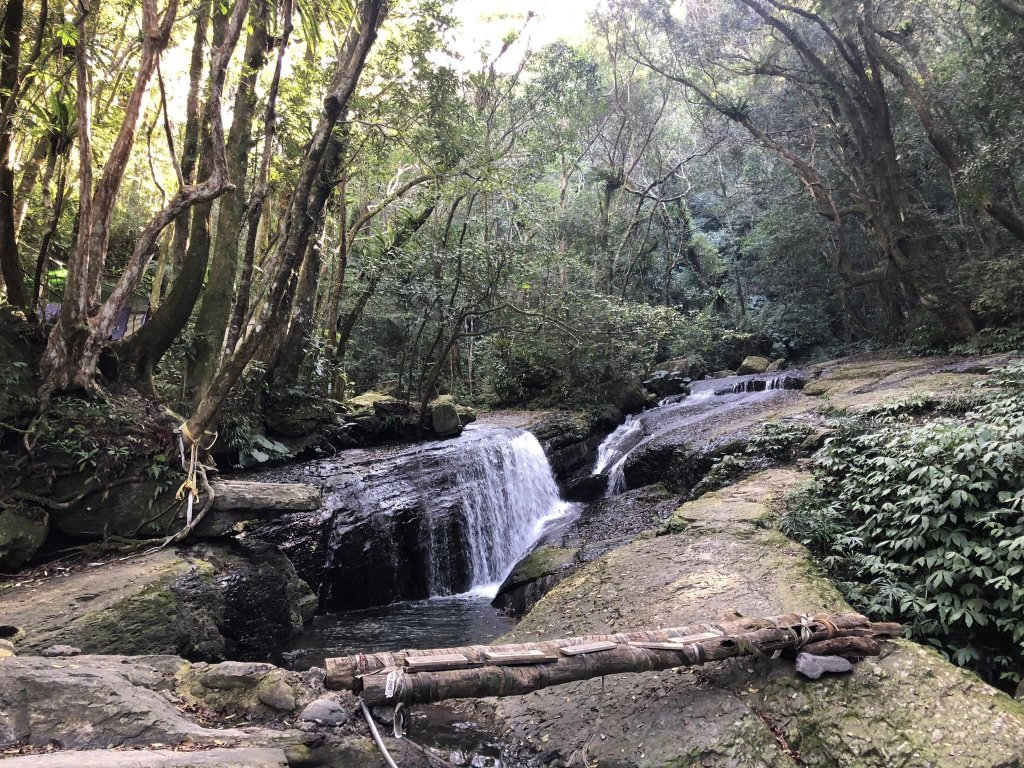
<point x="425" y="520"/>
<point x="508" y="495"/>
<point x="708" y="399"/>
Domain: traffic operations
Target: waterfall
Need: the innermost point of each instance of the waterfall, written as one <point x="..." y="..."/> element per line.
<point x="707" y="399"/>
<point x="508" y="493"/>
<point x="429" y="519"/>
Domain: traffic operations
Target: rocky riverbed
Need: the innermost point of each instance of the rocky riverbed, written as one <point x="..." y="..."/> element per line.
<point x="652" y="556"/>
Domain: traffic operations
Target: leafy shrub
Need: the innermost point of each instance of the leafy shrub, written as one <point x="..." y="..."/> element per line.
<point x="241" y="426"/>
<point x="899" y="408"/>
<point x="779" y="440"/>
<point x="924" y="523"/>
<point x="991" y="341"/>
<point x="600" y="347"/>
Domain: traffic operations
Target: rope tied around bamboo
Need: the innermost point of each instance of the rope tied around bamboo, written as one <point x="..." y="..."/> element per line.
<point x="425" y="676"/>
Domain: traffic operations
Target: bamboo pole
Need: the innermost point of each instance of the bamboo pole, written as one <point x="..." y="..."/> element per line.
<point x="425" y="676"/>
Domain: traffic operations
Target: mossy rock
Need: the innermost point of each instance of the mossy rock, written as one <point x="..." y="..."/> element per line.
<point x="22" y="533"/>
<point x="467" y="415"/>
<point x="908" y="707"/>
<point x="533" y="577"/>
<point x="540" y="562"/>
<point x="367" y="401"/>
<point x="444" y="417"/>
<point x="206" y="603"/>
<point x="754" y="364"/>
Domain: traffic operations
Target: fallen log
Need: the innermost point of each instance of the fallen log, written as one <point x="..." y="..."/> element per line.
<point x="845" y="646"/>
<point x="230" y="495"/>
<point x="425" y="676"/>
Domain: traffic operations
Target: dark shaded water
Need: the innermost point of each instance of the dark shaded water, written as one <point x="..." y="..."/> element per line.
<point x="440" y="622"/>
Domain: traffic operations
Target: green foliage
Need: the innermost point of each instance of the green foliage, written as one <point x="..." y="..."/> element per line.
<point x="241" y="427"/>
<point x="900" y="408"/>
<point x="604" y="346"/>
<point x="996" y="340"/>
<point x="923" y="522"/>
<point x="779" y="440"/>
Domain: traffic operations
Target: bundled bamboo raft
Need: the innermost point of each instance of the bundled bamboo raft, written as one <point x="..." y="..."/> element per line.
<point x="425" y="676"/>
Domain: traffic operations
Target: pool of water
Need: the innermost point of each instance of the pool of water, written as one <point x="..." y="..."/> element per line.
<point x="439" y="622"/>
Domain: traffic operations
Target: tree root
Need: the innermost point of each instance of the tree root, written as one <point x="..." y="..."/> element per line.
<point x="69" y="503"/>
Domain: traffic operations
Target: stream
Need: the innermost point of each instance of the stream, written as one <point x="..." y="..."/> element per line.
<point x="420" y="537"/>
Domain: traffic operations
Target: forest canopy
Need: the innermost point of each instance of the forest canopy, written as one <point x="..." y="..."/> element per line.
<point x="319" y="198"/>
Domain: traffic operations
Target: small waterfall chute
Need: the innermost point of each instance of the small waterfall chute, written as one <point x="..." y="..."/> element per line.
<point x="707" y="397"/>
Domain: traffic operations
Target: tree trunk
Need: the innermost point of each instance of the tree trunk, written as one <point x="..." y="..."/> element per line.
<point x="10" y="261"/>
<point x="337" y="286"/>
<point x="56" y="208"/>
<point x="254" y="211"/>
<point x="289" y="355"/>
<point x="144" y="349"/>
<point x="315" y="180"/>
<point x="29" y="179"/>
<point x="190" y="139"/>
<point x="247" y="496"/>
<point x="215" y="311"/>
<point x="75" y="343"/>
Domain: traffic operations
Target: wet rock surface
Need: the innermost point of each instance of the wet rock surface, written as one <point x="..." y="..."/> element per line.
<point x="680" y="442"/>
<point x="533" y="577"/>
<point x="592" y="530"/>
<point x="408" y="522"/>
<point x="570" y="439"/>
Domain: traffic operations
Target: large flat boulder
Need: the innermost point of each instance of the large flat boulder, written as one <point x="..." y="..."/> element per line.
<point x="205" y="602"/>
<point x="241" y="757"/>
<point x="908" y="707"/>
<point x="165" y="712"/>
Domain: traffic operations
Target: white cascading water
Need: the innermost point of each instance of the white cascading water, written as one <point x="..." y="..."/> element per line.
<point x="611" y="454"/>
<point x="732" y="391"/>
<point x="509" y="493"/>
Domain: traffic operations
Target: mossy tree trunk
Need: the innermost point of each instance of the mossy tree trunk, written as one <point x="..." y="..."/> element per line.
<point x="214" y="313"/>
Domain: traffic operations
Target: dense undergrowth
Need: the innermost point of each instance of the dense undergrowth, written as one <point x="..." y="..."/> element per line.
<point x="917" y="511"/>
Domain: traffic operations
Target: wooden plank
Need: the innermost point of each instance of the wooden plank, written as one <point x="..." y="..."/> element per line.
<point x="499" y="679"/>
<point x="438" y="661"/>
<point x="576" y="650"/>
<point x="349" y="672"/>
<point x="658" y="646"/>
<point x="519" y="657"/>
<point x="696" y="638"/>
